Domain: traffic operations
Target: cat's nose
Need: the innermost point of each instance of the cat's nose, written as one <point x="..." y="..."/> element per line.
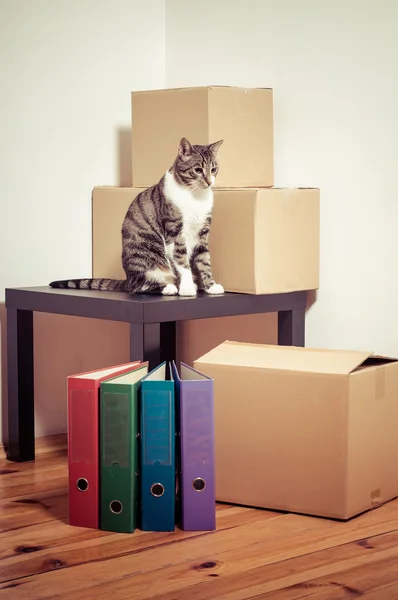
<point x="208" y="180"/>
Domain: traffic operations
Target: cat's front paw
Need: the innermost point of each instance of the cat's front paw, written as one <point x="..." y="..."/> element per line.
<point x="214" y="289"/>
<point x="170" y="290"/>
<point x="188" y="288"/>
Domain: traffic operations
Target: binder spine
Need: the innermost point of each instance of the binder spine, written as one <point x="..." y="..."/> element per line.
<point x="158" y="475"/>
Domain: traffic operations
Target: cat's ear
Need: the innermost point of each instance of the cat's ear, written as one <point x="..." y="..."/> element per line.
<point x="184" y="149"/>
<point x="214" y="148"/>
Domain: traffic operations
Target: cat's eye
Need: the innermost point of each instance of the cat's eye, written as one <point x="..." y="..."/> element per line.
<point x="198" y="170"/>
<point x="214" y="169"/>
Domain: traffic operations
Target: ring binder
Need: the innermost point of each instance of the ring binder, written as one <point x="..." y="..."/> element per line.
<point x="195" y="407"/>
<point x="119" y="446"/>
<point x="158" y="442"/>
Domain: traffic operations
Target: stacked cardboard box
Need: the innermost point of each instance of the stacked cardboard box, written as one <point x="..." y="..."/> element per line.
<point x="263" y="239"/>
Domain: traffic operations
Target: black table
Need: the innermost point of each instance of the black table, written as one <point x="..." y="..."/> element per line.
<point x="152" y="321"/>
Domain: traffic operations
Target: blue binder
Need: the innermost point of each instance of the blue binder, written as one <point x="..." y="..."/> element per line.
<point x="158" y="477"/>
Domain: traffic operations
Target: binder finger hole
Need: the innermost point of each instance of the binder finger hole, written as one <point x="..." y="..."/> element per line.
<point x="198" y="484"/>
<point x="116" y="507"/>
<point x="157" y="490"/>
<point x="82" y="484"/>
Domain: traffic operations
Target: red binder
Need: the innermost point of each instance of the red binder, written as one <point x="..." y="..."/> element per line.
<point x="83" y="443"/>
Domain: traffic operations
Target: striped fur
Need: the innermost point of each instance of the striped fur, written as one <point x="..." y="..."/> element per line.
<point x="165" y="233"/>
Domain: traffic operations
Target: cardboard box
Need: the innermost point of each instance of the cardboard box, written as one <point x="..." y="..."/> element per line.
<point x="261" y="241"/>
<point x="242" y="117"/>
<point x="266" y="241"/>
<point x="109" y="207"/>
<point x="304" y="430"/>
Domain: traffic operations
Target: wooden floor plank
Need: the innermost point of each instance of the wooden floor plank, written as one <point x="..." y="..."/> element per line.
<point x="298" y="577"/>
<point x="237" y="550"/>
<point x="371" y="577"/>
<point x="27" y="512"/>
<point x="75" y="546"/>
<point x="254" y="554"/>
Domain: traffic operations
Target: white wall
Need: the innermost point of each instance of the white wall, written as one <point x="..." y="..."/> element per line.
<point x="334" y="70"/>
<point x="67" y="70"/>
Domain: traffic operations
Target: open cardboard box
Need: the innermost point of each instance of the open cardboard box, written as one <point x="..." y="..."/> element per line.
<point x="304" y="430"/>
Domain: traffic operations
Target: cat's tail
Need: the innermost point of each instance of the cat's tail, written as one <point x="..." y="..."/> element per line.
<point x="110" y="285"/>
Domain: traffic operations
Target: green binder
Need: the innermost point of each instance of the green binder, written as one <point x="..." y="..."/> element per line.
<point x="119" y="448"/>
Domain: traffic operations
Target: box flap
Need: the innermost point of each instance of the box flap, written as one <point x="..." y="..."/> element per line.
<point x="290" y="358"/>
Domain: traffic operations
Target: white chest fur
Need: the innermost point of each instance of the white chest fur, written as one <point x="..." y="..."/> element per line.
<point x="194" y="208"/>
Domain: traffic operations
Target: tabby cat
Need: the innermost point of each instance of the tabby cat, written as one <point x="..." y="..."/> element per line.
<point x="165" y="233"/>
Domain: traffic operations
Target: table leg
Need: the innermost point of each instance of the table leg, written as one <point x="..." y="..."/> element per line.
<point x="168" y="342"/>
<point x="153" y="342"/>
<point x="291" y="327"/>
<point x="136" y="341"/>
<point x="21" y="414"/>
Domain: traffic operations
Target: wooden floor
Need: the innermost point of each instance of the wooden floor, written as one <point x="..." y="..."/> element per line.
<point x="253" y="554"/>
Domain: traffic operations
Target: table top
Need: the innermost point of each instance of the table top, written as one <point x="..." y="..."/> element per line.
<point x="147" y="308"/>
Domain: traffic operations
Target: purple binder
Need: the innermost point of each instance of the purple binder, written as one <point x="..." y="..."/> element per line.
<point x="195" y="423"/>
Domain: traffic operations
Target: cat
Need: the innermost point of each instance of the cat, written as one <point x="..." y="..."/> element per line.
<point x="165" y="233"/>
